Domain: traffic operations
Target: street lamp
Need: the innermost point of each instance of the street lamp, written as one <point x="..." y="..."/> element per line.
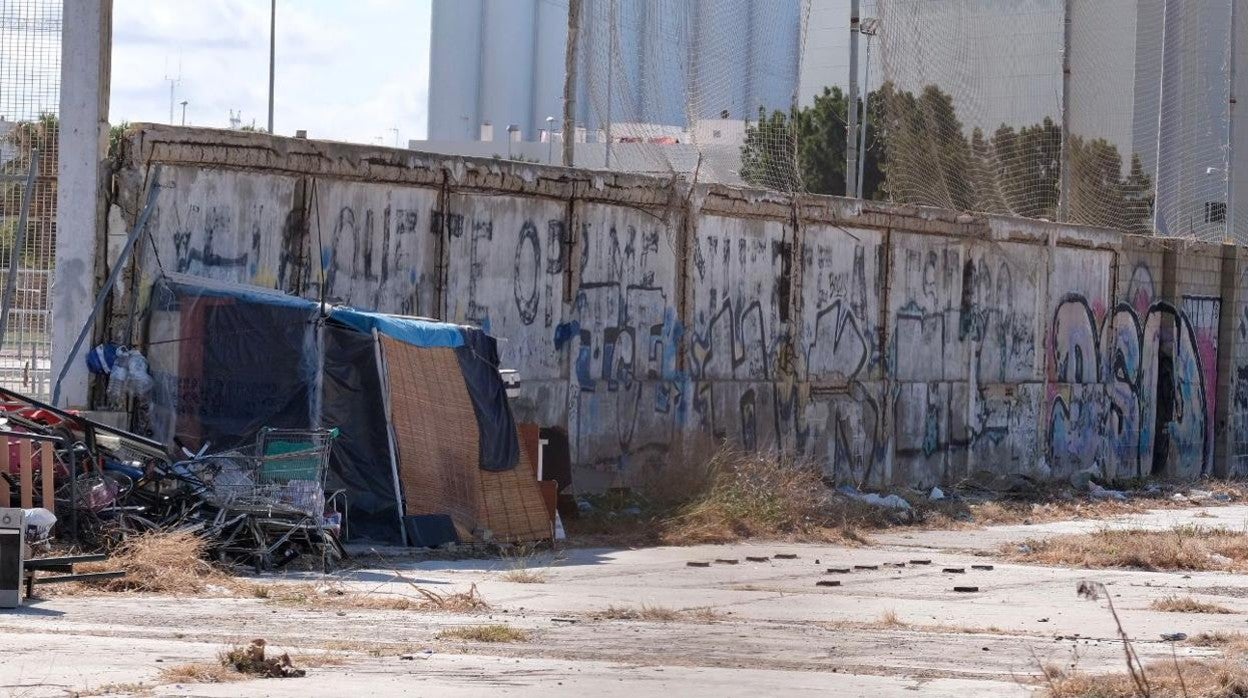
<point x="272" y="56"/>
<point x="869" y="27"/>
<point x="550" y="140"/>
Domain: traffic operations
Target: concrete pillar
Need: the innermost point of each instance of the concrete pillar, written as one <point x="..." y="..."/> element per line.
<point x="1226" y="461"/>
<point x="86" y="48"/>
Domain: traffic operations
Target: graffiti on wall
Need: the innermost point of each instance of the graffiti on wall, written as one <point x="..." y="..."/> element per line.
<point x="1131" y="394"/>
<point x="889" y="357"/>
<point x="963" y="355"/>
<point x="627" y="394"/>
<point x="742" y="362"/>
<point x="841" y="423"/>
<point x="1239" y="394"/>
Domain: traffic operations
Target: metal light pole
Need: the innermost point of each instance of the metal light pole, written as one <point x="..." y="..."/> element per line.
<point x="1063" y="189"/>
<point x="184" y="103"/>
<point x="172" y="84"/>
<point x="272" y="55"/>
<point x="851" y="108"/>
<point x="1228" y="234"/>
<point x="870" y="27"/>
<point x="569" y="80"/>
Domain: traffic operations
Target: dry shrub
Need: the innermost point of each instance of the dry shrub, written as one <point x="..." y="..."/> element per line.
<point x="164" y="562"/>
<point x="253" y="661"/>
<point x="662" y="614"/>
<point x="525" y="576"/>
<point x="521" y="570"/>
<point x="1190" y="548"/>
<point x="334" y="596"/>
<point x="1186" y="604"/>
<point x="1233" y="644"/>
<point x="763" y="495"/>
<point x="496" y="632"/>
<point x="469" y="601"/>
<point x="453" y="602"/>
<point x="1181" y="678"/>
<point x="890" y="619"/>
<point x="199" y="672"/>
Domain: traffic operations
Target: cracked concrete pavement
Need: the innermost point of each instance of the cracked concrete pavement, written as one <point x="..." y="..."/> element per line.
<point x="885" y="631"/>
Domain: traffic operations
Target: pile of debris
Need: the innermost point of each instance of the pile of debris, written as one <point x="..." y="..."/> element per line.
<point x="261" y="506"/>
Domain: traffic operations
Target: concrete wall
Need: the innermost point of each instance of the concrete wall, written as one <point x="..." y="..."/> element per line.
<point x="892" y="345"/>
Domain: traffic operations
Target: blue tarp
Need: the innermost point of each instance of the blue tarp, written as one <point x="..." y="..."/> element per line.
<point x="414" y="331"/>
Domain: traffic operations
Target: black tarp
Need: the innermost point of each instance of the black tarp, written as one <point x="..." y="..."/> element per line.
<point x="361" y="463"/>
<point x="496" y="428"/>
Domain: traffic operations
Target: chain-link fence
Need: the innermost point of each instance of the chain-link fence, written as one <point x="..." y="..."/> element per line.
<point x="30" y="75"/>
<point x="1115" y="113"/>
<point x="696" y="88"/>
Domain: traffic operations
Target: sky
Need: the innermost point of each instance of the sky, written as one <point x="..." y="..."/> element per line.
<point x="351" y="71"/>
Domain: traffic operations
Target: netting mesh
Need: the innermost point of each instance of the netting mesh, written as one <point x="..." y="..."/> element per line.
<point x="30" y="74"/>
<point x="967" y="105"/>
<point x="972" y="99"/>
<point x="694" y="87"/>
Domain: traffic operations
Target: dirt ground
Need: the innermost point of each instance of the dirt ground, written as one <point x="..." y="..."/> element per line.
<point x="598" y="621"/>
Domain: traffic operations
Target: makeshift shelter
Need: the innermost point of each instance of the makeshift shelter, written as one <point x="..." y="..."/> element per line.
<point x="428" y="450"/>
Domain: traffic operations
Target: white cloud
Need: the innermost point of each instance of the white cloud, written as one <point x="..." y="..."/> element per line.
<point x="345" y="71"/>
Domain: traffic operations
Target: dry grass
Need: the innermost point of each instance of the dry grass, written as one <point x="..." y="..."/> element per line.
<point x="661" y="614"/>
<point x="764" y="495"/>
<point x="521" y="569"/>
<point x="496" y="632"/>
<point x="890" y="619"/>
<point x="253" y="661"/>
<point x="163" y="563"/>
<point x="1189" y="548"/>
<point x="525" y="576"/>
<point x="336" y="597"/>
<point x="732" y="496"/>
<point x="1187" y="604"/>
<point x="1232" y="644"/>
<point x="1180" y="678"/>
<point x="236" y="663"/>
<point x="199" y="672"/>
<point x="1226" y="677"/>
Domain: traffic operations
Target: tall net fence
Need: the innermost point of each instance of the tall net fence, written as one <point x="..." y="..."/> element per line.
<point x="1113" y="113"/>
<point x="700" y="88"/>
<point x="30" y="74"/>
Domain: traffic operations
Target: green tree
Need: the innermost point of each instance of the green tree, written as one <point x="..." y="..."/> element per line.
<point x="1027" y="164"/>
<point x="767" y="158"/>
<point x="928" y="157"/>
<point x="116" y="134"/>
<point x="1101" y="195"/>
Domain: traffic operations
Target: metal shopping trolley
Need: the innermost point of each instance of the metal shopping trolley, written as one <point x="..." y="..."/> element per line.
<point x="270" y="498"/>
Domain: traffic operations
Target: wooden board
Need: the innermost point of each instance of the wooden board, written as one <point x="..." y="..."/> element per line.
<point x="47" y="476"/>
<point x="27" y="473"/>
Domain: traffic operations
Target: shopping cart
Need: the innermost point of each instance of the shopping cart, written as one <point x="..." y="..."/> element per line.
<point x="270" y="498"/>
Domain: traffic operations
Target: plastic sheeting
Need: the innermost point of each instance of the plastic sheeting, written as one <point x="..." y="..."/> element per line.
<point x="496" y="428"/>
<point x="227" y="365"/>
